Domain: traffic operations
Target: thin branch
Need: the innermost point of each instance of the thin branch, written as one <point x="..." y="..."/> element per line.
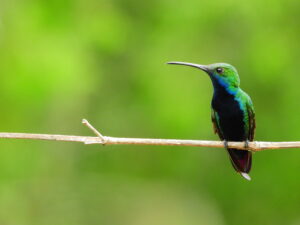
<point x="100" y="139"/>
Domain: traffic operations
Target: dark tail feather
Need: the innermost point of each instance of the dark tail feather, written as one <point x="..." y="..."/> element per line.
<point x="241" y="160"/>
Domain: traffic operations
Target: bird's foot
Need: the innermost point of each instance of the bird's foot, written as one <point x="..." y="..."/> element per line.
<point x="225" y="143"/>
<point x="246" y="145"/>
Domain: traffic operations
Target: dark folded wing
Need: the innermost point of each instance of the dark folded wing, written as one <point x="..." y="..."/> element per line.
<point x="251" y="121"/>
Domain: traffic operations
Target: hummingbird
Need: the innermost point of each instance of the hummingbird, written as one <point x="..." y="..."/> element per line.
<point x="232" y="113"/>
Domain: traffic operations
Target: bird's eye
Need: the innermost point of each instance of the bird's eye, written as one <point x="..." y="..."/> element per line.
<point x="220" y="70"/>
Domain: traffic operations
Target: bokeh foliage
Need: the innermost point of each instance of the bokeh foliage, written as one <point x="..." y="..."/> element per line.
<point x="61" y="61"/>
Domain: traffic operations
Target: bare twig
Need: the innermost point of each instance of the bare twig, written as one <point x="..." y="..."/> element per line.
<point x="85" y="122"/>
<point x="100" y="139"/>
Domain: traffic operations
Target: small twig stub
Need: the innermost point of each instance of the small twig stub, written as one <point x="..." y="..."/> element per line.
<point x="85" y="122"/>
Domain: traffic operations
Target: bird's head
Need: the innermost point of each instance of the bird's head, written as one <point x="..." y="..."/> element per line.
<point x="222" y="73"/>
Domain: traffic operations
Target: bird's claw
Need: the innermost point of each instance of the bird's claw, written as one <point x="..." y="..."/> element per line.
<point x="246" y="146"/>
<point x="225" y="143"/>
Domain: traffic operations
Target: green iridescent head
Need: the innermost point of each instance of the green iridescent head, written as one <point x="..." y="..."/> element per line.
<point x="222" y="73"/>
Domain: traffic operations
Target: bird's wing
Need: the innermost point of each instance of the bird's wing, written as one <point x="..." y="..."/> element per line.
<point x="251" y="120"/>
<point x="216" y="124"/>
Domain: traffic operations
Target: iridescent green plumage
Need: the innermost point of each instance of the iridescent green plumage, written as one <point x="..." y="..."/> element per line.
<point x="233" y="114"/>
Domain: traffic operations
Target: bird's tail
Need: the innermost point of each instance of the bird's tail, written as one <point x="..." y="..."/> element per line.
<point x="241" y="161"/>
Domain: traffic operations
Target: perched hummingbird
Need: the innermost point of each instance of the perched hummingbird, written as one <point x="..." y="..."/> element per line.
<point x="233" y="114"/>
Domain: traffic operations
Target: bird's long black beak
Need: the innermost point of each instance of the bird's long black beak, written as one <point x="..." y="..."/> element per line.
<point x="201" y="67"/>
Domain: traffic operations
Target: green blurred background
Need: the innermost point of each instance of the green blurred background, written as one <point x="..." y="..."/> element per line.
<point x="61" y="61"/>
